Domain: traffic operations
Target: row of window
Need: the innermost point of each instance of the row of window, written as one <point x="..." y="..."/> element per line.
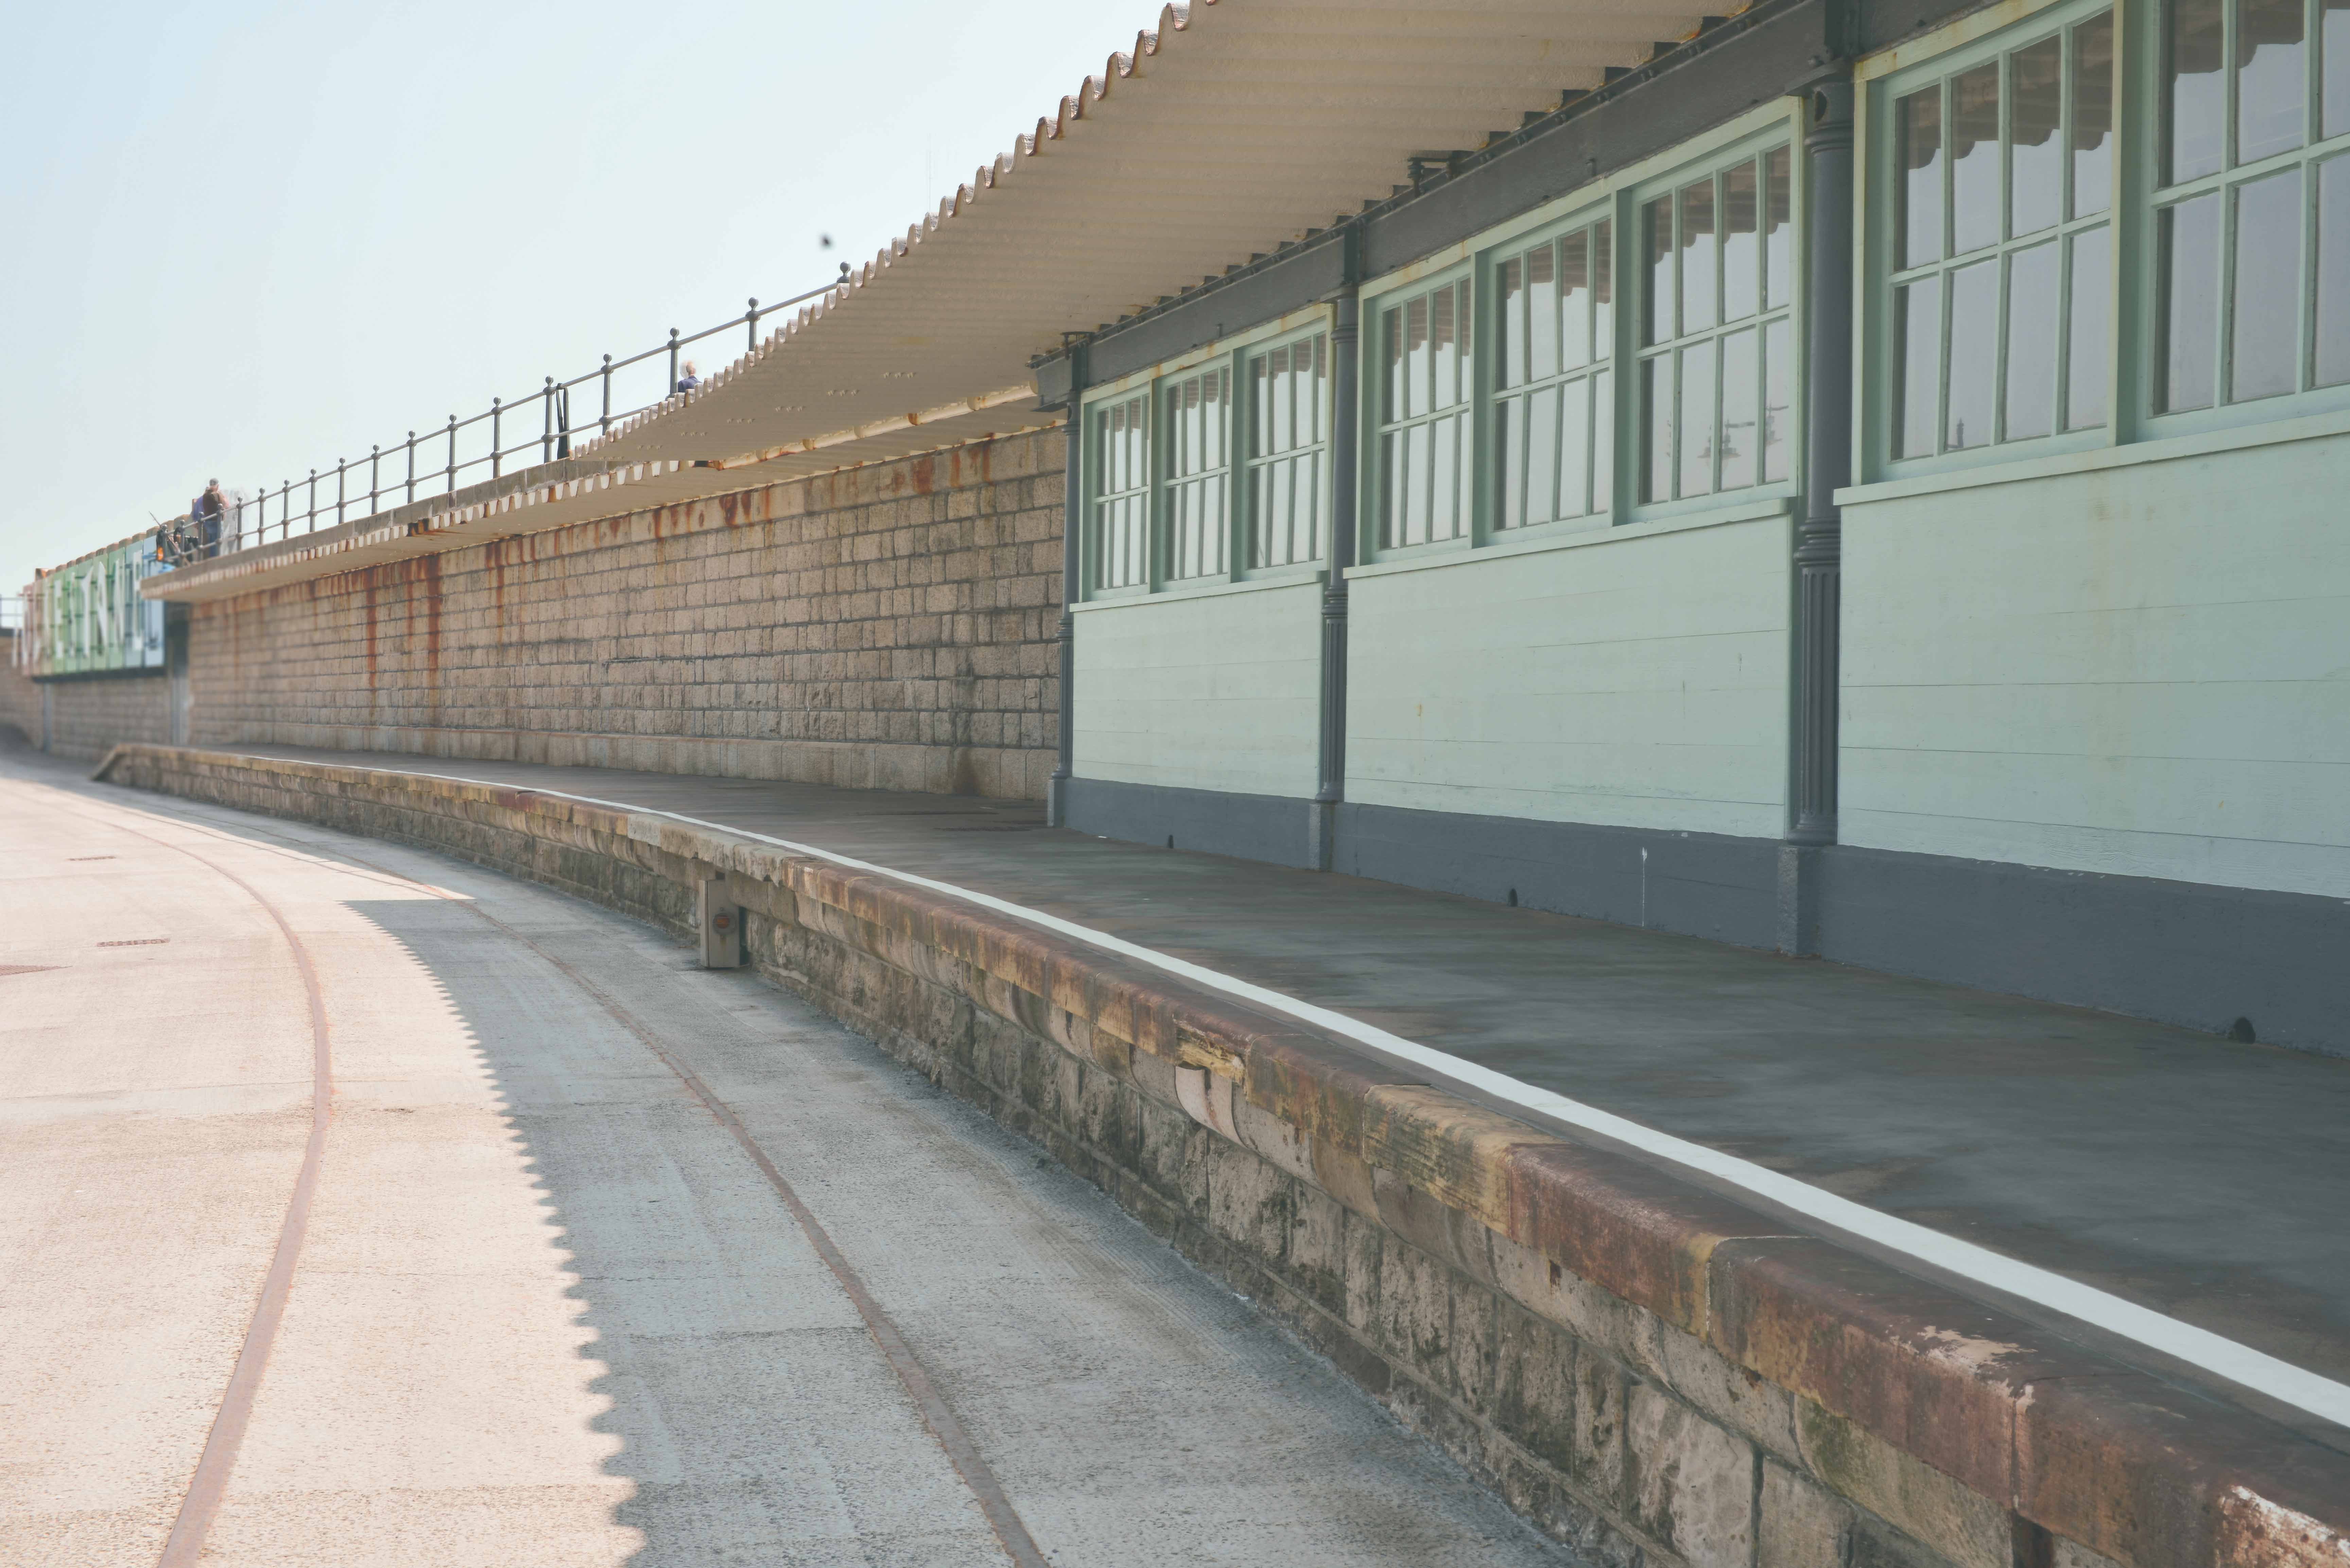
<point x="1509" y="392"/>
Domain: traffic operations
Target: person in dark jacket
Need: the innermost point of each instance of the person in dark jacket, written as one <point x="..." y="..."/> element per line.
<point x="207" y="511"/>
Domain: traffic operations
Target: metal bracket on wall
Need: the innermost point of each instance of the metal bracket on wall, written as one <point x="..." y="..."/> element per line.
<point x="719" y="920"/>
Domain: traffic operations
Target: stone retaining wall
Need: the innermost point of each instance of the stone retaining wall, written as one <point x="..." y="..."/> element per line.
<point x="883" y="626"/>
<point x="88" y="713"/>
<point x="1642" y="1367"/>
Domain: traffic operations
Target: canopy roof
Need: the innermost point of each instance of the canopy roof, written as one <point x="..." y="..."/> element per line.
<point x="1236" y="127"/>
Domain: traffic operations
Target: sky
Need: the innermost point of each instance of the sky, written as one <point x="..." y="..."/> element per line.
<point x="246" y="239"/>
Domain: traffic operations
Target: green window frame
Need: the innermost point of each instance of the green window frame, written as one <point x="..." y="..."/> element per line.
<point x="2250" y="165"/>
<point x="1213" y="468"/>
<point x="1717" y="352"/>
<point x="1195" y="411"/>
<point x="1117" y="459"/>
<point x="1553" y="400"/>
<point x="1424" y="385"/>
<point x="1997" y="211"/>
<point x="1287" y="492"/>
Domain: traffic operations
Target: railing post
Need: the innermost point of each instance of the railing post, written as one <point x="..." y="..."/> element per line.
<point x="412" y="465"/>
<point x="310" y="515"/>
<point x="452" y="455"/>
<point x="375" y="467"/>
<point x="286" y="510"/>
<point x="604" y="422"/>
<point x="497" y="444"/>
<point x="754" y="319"/>
<point x="338" y="491"/>
<point x="672" y="364"/>
<point x="546" y="422"/>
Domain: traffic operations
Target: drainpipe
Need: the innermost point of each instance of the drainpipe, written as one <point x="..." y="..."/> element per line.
<point x="1056" y="794"/>
<point x="1330" y="792"/>
<point x="1819" y="546"/>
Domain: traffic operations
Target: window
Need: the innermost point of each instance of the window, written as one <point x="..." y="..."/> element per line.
<point x="2252" y="208"/>
<point x="1199" y="471"/>
<point x="1224" y="457"/>
<point x="1289" y="444"/>
<point x="2001" y="236"/>
<point x="1717" y="346"/>
<point x="1121" y="474"/>
<point x="1425" y="391"/>
<point x="1553" y="402"/>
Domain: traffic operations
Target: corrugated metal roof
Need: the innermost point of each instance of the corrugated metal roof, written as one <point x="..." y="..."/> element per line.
<point x="1236" y="127"/>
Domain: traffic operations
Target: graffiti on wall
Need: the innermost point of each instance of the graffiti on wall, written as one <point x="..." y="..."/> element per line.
<point x="86" y="617"/>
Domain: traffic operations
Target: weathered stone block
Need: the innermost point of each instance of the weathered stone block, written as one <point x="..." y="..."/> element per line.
<point x="1691" y="1484"/>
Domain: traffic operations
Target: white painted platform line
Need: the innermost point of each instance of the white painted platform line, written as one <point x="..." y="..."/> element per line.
<point x="2223" y="1357"/>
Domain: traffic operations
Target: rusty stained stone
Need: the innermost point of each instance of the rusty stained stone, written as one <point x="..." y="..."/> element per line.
<point x="1456" y="1152"/>
<point x="2157" y="1477"/>
<point x="1910" y="1362"/>
<point x="1630" y="1229"/>
<point x="1318" y="1086"/>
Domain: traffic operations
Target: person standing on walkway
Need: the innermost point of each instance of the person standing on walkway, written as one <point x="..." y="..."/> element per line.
<point x="687" y="381"/>
<point x="207" y="513"/>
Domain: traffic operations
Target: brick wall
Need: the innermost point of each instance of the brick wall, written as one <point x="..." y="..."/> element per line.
<point x="89" y="713"/>
<point x="886" y="626"/>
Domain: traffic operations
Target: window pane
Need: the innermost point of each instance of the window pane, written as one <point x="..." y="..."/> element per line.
<point x="1974" y="356"/>
<point x="1542" y="322"/>
<point x="1919" y="221"/>
<point x="1974" y="159"/>
<point x="2195" y="93"/>
<point x="1695" y="428"/>
<point x="1511" y="282"/>
<point x="1396" y="365"/>
<point x="1740" y="389"/>
<point x="1778" y="226"/>
<point x="1391" y="494"/>
<point x="1603" y="293"/>
<point x="1575" y="300"/>
<point x="1699" y="284"/>
<point x="1657" y="223"/>
<point x="2190" y="252"/>
<point x="1440" y="453"/>
<point x="2031" y="342"/>
<point x="1417" y="358"/>
<point x="1415" y="485"/>
<point x="1575" y="448"/>
<point x="1742" y="245"/>
<point x="2333" y="273"/>
<point x="2264" y="328"/>
<point x="1918" y="343"/>
<point x="2092" y="116"/>
<point x="2335" y="65"/>
<point x="1445" y="332"/>
<point x="1510" y="463"/>
<point x="1316" y="388"/>
<point x="1778" y="393"/>
<point x="2271" y="78"/>
<point x="1603" y="442"/>
<point x="1454" y="478"/>
<point x="2036" y="160"/>
<point x="1656" y="427"/>
<point x="1542" y="455"/>
<point x="2085" y="386"/>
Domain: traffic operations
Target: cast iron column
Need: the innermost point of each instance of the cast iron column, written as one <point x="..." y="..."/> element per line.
<point x="1331" y="788"/>
<point x="1819" y="548"/>
<point x="1057" y="796"/>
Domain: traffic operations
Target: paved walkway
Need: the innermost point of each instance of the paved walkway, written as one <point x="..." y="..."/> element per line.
<point x="548" y="1307"/>
<point x="2202" y="1177"/>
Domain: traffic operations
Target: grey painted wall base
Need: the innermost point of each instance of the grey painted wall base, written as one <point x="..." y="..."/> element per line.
<point x="1697" y="884"/>
<point x="2178" y="952"/>
<point x="2181" y="952"/>
<point x="1266" y="827"/>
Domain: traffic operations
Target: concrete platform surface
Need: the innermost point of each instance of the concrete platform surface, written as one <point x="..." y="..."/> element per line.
<point x="2190" y="1174"/>
<point x="547" y="1308"/>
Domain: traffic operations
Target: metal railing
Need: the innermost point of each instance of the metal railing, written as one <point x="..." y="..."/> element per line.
<point x="246" y="523"/>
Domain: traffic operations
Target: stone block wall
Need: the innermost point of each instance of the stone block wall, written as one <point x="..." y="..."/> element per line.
<point x="1645" y="1368"/>
<point x="884" y="626"/>
<point x="20" y="697"/>
<point x="88" y="713"/>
